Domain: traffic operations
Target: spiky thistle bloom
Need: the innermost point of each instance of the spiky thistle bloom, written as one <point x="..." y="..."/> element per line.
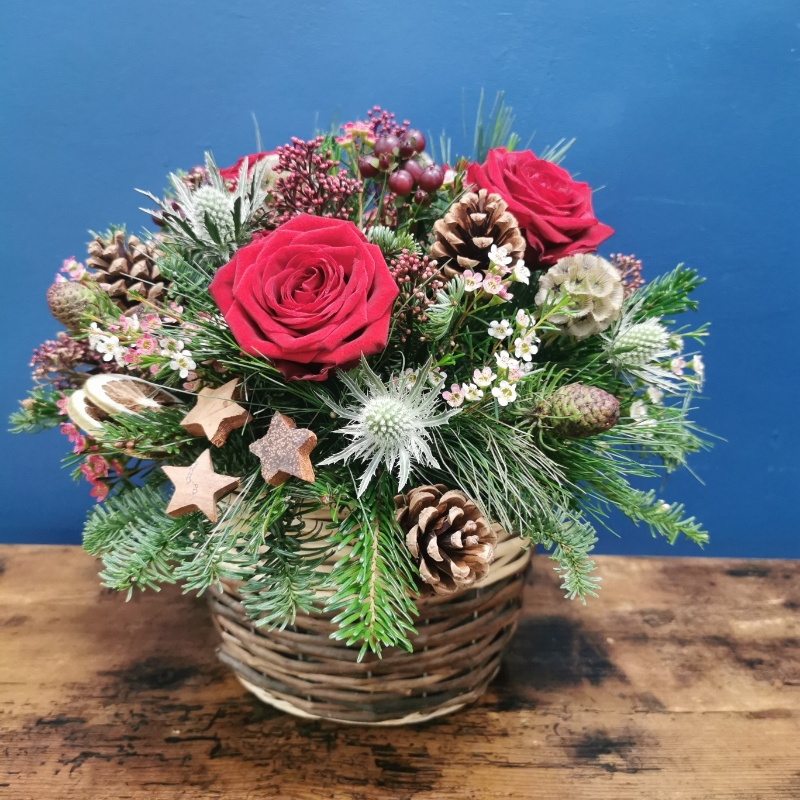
<point x="639" y="348"/>
<point x="389" y="422"/>
<point x="211" y="214"/>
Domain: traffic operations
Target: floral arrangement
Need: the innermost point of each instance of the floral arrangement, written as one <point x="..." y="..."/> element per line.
<point x="424" y="351"/>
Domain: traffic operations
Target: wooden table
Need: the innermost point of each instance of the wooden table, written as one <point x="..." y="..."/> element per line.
<point x="681" y="681"/>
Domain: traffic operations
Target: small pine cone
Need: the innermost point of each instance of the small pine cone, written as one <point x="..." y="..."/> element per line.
<point x="68" y="301"/>
<point x="451" y="541"/>
<point x="576" y="411"/>
<point x="122" y="269"/>
<point x="593" y="287"/>
<point x="466" y="233"/>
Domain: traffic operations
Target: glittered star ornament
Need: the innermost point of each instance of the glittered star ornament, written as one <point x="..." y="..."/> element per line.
<point x="198" y="487"/>
<point x="285" y="451"/>
<point x="216" y="413"/>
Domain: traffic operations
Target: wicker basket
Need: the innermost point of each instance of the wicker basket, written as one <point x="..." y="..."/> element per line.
<point x="457" y="651"/>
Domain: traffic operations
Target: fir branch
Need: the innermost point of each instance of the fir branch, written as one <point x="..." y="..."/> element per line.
<point x="666" y="295"/>
<point x="392" y="243"/>
<point x="37" y="412"/>
<point x="373" y="581"/>
<point x="572" y="540"/>
<point x="136" y="540"/>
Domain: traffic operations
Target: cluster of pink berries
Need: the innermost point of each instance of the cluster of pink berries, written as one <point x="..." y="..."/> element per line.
<point x="419" y="279"/>
<point x="397" y="157"/>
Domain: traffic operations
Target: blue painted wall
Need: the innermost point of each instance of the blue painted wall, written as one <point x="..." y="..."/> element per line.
<point x="687" y="113"/>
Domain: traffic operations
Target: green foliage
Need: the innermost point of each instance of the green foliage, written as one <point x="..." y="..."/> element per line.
<point x="666" y="295"/>
<point x="37" y="412"/>
<point x="495" y="130"/>
<point x="571" y="541"/>
<point x="137" y="542"/>
<point x="391" y="242"/>
<point x="373" y="580"/>
<point x="443" y="314"/>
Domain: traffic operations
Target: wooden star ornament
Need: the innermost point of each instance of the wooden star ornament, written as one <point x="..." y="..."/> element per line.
<point x="198" y="487"/>
<point x="285" y="451"/>
<point x="216" y="413"/>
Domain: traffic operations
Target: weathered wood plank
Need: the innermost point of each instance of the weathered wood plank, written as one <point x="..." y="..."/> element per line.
<point x="681" y="681"/>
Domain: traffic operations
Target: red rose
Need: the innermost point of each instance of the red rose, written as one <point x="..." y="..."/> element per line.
<point x="231" y="174"/>
<point x="311" y="296"/>
<point x="554" y="211"/>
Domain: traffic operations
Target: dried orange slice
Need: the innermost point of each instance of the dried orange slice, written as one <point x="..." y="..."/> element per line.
<point x="124" y="394"/>
<point x="84" y="413"/>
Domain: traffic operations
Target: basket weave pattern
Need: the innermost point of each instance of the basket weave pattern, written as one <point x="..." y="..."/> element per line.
<point x="456" y="653"/>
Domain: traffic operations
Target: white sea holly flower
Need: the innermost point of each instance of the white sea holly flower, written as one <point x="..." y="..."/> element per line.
<point x="499" y="257"/>
<point x="472" y="280"/>
<point x="493" y="284"/>
<point x="505" y="393"/>
<point x="526" y="347"/>
<point x="677" y="365"/>
<point x="499" y="330"/>
<point x="676" y="343"/>
<point x="183" y="363"/>
<point x="655" y="394"/>
<point x="472" y="393"/>
<point x="484" y="377"/>
<point x="109" y="346"/>
<point x="522" y="319"/>
<point x="455" y="397"/>
<point x="521" y="273"/>
<point x="388" y="423"/>
<point x="699" y="369"/>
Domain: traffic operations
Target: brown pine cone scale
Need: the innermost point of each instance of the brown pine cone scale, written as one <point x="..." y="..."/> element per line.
<point x="126" y="270"/>
<point x="451" y="542"/>
<point x="466" y="233"/>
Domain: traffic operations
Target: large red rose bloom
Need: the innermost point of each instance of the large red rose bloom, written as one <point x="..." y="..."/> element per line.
<point x="312" y="296"/>
<point x="554" y="211"/>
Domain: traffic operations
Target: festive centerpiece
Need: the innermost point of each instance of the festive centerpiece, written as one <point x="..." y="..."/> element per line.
<point x="346" y="386"/>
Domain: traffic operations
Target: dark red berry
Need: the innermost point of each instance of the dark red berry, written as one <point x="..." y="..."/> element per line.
<point x="432" y="178"/>
<point x="421" y="198"/>
<point x="412" y="167"/>
<point x="407" y="148"/>
<point x="416" y="136"/>
<point x="366" y="167"/>
<point x="401" y="182"/>
<point x="386" y="144"/>
<point x="385" y="162"/>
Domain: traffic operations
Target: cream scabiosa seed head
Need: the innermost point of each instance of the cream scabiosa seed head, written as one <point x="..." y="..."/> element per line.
<point x="388" y="423"/>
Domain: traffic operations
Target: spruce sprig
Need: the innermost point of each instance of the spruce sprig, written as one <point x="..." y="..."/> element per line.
<point x="373" y="580"/>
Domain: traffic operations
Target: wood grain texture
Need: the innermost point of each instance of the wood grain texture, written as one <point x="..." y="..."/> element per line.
<point x="681" y="681"/>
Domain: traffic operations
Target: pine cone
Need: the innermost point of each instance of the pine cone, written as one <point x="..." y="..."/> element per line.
<point x="122" y="270"/>
<point x="576" y="411"/>
<point x="68" y="301"/>
<point x="450" y="540"/>
<point x="594" y="288"/>
<point x="467" y="231"/>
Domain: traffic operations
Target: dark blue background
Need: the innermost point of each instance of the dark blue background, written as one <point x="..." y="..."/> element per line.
<point x="687" y="113"/>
